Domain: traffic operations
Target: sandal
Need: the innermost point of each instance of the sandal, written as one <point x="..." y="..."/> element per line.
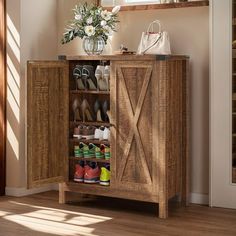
<point x="89" y="76"/>
<point x="77" y="74"/>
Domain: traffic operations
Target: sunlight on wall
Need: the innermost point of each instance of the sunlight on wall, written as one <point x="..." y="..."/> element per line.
<point x="13" y="30"/>
<point x="13" y="38"/>
<point x="13" y="140"/>
<point x="13" y="92"/>
<point x="13" y="86"/>
<point x="12" y="69"/>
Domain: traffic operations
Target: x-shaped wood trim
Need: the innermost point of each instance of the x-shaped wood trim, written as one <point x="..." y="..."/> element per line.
<point x="134" y="132"/>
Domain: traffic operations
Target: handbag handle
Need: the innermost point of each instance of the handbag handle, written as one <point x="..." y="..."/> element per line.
<point x="152" y="24"/>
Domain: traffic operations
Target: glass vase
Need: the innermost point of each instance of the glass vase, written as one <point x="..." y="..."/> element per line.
<point x="93" y="45"/>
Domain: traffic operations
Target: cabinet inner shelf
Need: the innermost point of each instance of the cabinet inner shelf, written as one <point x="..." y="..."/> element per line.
<point x="89" y="159"/>
<point x="91" y="123"/>
<point x="94" y="141"/>
<point x="90" y="92"/>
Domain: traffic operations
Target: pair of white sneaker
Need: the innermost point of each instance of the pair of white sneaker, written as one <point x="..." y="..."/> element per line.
<point x="102" y="133"/>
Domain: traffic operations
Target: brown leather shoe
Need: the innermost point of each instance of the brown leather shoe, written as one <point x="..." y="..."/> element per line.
<point x="88" y="132"/>
<point x="79" y="131"/>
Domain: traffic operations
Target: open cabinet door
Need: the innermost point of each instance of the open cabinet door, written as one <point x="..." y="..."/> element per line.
<point x="47" y="122"/>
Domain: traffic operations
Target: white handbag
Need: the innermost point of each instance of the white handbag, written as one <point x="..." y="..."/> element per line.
<point x="154" y="42"/>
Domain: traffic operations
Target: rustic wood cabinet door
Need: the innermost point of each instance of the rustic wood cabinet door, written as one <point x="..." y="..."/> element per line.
<point x="134" y="128"/>
<point x="47" y="122"/>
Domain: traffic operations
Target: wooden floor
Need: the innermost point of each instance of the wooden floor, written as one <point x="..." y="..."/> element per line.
<point x="41" y="215"/>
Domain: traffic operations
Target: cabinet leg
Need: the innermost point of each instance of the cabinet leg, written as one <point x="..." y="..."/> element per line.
<point x="62" y="194"/>
<point x="163" y="210"/>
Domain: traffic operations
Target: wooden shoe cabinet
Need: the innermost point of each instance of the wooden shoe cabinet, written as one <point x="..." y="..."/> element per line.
<point x="149" y="123"/>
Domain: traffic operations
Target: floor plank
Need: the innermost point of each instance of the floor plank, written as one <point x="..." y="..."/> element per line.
<point x="40" y="215"/>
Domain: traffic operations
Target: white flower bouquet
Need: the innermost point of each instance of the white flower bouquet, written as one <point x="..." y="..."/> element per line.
<point x="91" y="21"/>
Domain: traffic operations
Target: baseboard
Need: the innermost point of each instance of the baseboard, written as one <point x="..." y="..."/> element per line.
<point x="20" y="192"/>
<point x="199" y="198"/>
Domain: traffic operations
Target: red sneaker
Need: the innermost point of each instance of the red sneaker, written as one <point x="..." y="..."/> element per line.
<point x="92" y="173"/>
<point x="79" y="172"/>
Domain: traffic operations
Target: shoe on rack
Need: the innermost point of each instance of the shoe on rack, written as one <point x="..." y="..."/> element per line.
<point x="77" y="74"/>
<point x="105" y="175"/>
<point x="99" y="152"/>
<point x="99" y="72"/>
<point x="92" y="173"/>
<point x="106" y="134"/>
<point x="101" y="79"/>
<point x="106" y="76"/>
<point x="99" y="133"/>
<point x="87" y="113"/>
<point x="105" y="109"/>
<point x="234" y="44"/>
<point x="78" y="150"/>
<point x="79" y="172"/>
<point x="107" y="153"/>
<point x="89" y="150"/>
<point x="89" y="76"/>
<point x="76" y="109"/>
<point x="98" y="111"/>
<point x="88" y="132"/>
<point x="78" y="132"/>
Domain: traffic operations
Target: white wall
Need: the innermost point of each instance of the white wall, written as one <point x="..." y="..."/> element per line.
<point x="32" y="34"/>
<point x="189" y="33"/>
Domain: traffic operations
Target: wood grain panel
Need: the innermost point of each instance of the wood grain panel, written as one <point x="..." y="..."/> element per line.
<point x="133" y="126"/>
<point x="48" y="122"/>
<point x="2" y="96"/>
<point x="163" y="6"/>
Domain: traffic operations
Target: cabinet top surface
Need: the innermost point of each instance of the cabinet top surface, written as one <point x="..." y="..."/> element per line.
<point x="128" y="57"/>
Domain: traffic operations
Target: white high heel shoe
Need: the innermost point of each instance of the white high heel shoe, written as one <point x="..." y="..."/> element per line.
<point x="106" y="76"/>
<point x="101" y="81"/>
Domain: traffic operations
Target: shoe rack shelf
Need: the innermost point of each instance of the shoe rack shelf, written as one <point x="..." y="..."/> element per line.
<point x="89" y="159"/>
<point x="90" y="92"/>
<point x="149" y="125"/>
<point x="87" y="141"/>
<point x="89" y="123"/>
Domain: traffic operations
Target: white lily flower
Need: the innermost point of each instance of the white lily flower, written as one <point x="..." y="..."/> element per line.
<point x="89" y="20"/>
<point x="106" y="15"/>
<point x="78" y="17"/>
<point x="89" y="30"/>
<point x="103" y="23"/>
<point x="107" y="30"/>
<point x="115" y="10"/>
